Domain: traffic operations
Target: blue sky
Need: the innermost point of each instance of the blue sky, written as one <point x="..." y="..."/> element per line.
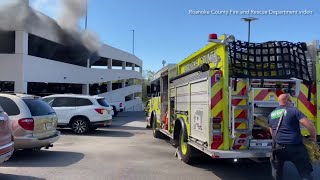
<point x="164" y="29"/>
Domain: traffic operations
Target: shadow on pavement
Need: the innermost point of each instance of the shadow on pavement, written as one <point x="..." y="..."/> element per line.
<point x="247" y="170"/>
<point x="99" y="133"/>
<point x="242" y="170"/>
<point x="43" y="158"/>
<point x="17" y="177"/>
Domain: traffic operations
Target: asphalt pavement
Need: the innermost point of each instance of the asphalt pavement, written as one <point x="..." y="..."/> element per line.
<point x="125" y="150"/>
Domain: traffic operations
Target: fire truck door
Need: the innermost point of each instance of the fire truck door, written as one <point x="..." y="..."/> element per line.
<point x="199" y="101"/>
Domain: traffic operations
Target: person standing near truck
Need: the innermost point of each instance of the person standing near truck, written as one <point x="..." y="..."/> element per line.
<point x="284" y="124"/>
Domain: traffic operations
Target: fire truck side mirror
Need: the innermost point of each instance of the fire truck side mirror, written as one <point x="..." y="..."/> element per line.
<point x="155" y="88"/>
<point x="148" y="91"/>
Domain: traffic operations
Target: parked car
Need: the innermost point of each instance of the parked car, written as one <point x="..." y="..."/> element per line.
<point x="117" y="107"/>
<point x="112" y="108"/>
<point x="106" y="104"/>
<point x="33" y="121"/>
<point x="80" y="112"/>
<point x="6" y="139"/>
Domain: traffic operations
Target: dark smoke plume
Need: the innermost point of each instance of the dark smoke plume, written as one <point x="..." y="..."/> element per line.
<point x="76" y="45"/>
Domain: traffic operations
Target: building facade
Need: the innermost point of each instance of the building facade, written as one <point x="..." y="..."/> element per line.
<point x="34" y="60"/>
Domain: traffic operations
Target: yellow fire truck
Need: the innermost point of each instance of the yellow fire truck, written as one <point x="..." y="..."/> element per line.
<point x="211" y="100"/>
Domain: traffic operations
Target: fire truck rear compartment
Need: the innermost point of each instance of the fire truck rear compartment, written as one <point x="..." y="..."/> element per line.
<point x="251" y="131"/>
<point x="261" y="137"/>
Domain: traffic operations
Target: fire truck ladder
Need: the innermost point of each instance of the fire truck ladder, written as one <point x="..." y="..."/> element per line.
<point x="240" y="114"/>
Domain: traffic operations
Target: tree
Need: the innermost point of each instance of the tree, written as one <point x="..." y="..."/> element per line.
<point x="147" y="76"/>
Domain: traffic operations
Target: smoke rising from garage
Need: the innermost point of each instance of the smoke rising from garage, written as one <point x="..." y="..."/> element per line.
<point x="70" y="14"/>
<point x="66" y="41"/>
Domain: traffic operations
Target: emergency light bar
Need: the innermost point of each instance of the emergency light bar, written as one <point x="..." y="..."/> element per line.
<point x="214" y="38"/>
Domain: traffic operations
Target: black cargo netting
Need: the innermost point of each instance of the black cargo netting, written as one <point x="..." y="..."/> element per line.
<point x="270" y="60"/>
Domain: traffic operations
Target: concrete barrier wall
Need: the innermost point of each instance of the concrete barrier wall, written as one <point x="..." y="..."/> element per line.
<point x="134" y="105"/>
<point x="44" y="70"/>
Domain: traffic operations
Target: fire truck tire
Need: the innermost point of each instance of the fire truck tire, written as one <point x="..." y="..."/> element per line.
<point x="185" y="150"/>
<point x="155" y="132"/>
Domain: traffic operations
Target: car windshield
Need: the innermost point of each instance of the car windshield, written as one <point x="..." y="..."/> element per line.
<point x="103" y="102"/>
<point x="38" y="107"/>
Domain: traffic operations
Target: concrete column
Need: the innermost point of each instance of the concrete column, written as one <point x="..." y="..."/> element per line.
<point x="85" y="89"/>
<point x="109" y="86"/>
<point x="133" y="66"/>
<point x="88" y="63"/>
<point x="21" y="42"/>
<point x="140" y="69"/>
<point x="109" y="63"/>
<point x="123" y="83"/>
<point x="20" y="86"/>
<point x="124" y="64"/>
<point x="21" y="47"/>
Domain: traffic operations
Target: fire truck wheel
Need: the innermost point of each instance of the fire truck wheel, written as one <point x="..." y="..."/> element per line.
<point x="155" y="132"/>
<point x="184" y="148"/>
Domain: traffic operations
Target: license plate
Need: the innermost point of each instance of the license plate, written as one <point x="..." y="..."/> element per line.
<point x="48" y="125"/>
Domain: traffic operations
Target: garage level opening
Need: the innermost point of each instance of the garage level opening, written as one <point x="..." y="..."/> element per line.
<point x="45" y="89"/>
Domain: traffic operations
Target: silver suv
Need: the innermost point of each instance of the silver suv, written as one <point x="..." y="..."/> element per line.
<point x="33" y="121"/>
